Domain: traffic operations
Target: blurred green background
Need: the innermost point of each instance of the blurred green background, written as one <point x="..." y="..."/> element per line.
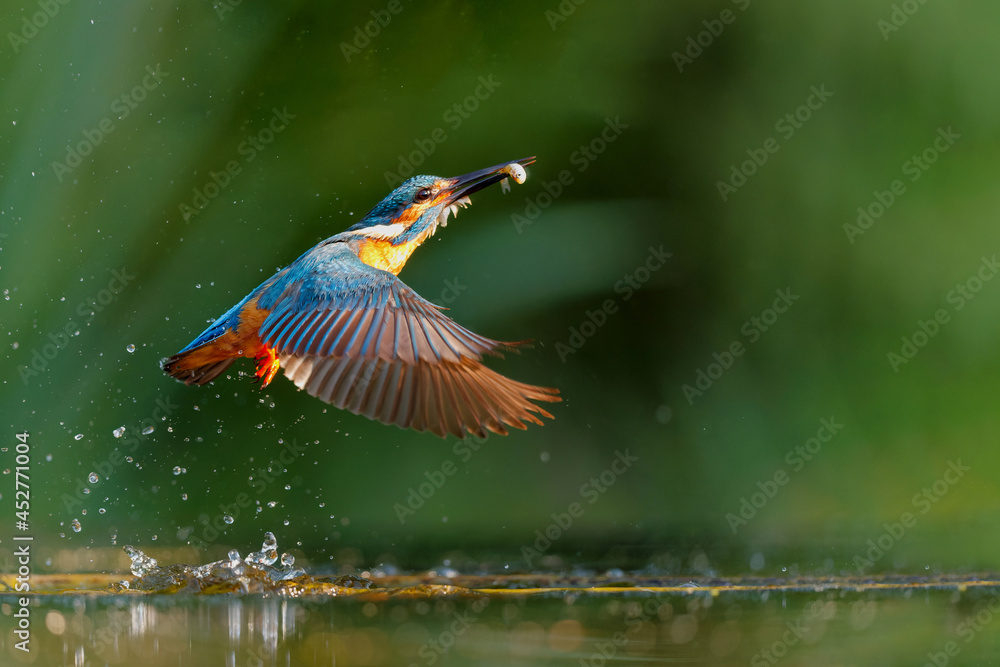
<point x="807" y="111"/>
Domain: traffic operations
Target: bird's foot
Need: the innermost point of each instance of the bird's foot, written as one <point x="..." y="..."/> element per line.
<point x="267" y="366"/>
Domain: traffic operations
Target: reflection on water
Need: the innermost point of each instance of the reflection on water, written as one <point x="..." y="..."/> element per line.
<point x="245" y="611"/>
<point x="412" y="623"/>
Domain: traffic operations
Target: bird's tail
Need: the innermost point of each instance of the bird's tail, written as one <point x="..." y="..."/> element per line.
<point x="198" y="366"/>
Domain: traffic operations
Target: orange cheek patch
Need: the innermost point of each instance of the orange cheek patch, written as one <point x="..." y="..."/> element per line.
<point x="413" y="212"/>
<point x="410" y="215"/>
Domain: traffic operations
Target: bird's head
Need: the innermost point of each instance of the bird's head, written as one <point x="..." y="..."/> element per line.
<point x="413" y="211"/>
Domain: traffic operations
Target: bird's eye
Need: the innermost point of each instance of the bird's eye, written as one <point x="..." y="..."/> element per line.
<point x="423" y="194"/>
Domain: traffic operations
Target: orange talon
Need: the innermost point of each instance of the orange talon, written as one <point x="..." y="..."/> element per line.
<point x="267" y="366"/>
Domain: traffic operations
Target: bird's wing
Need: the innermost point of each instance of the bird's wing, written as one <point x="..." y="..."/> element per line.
<point x="358" y="338"/>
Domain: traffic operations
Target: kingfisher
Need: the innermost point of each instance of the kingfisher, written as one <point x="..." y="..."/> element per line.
<point x="348" y="331"/>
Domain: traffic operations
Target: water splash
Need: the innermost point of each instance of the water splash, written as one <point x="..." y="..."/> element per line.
<point x="268" y="551"/>
<point x="255" y="573"/>
<point x="141" y="563"/>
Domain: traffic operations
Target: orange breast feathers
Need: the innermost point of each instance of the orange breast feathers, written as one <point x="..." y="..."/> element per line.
<point x="384" y="255"/>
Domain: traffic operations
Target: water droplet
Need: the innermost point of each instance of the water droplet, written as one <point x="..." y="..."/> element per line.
<point x="78" y="436"/>
<point x="179" y="470"/>
<point x="184" y="496"/>
<point x="228" y="519"/>
<point x="287" y="559"/>
<point x="101" y="510"/>
<point x="85" y="491"/>
<point x="75" y="525"/>
<point x="93" y="478"/>
<point x="119" y="432"/>
<point x="130" y="348"/>
<point x="147" y="430"/>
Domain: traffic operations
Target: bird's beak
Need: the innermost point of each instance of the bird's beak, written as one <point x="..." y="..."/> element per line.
<point x="461" y="187"/>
